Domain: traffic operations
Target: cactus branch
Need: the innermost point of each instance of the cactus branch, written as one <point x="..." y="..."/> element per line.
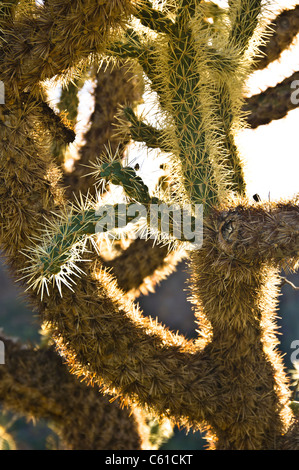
<point x="69" y="100"/>
<point x="58" y="125"/>
<point x="241" y="245"/>
<point x="250" y="370"/>
<point x="152" y="18"/>
<point x="281" y="32"/>
<point x="262" y="233"/>
<point x="194" y="156"/>
<point x="137" y="357"/>
<point x="142" y="266"/>
<point x="47" y="40"/>
<point x="132" y="48"/>
<point x="290" y="440"/>
<point x="227" y="119"/>
<point x="244" y="16"/>
<point x="116" y="86"/>
<point x="274" y="103"/>
<point x="54" y="258"/>
<point x="24" y="390"/>
<point x="127" y="177"/>
<point x="142" y="132"/>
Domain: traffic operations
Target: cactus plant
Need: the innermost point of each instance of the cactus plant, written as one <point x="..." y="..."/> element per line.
<point x="195" y="57"/>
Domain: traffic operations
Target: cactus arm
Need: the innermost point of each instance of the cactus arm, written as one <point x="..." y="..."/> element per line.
<point x="35" y="46"/>
<point x="280" y="33"/>
<point x="251" y="370"/>
<point x="244" y="16"/>
<point x="152" y="18"/>
<point x="58" y="125"/>
<point x="68" y="107"/>
<point x="24" y="390"/>
<point x="127" y="177"/>
<point x="15" y="383"/>
<point x="148" y="345"/>
<point x="251" y="243"/>
<point x="115" y="86"/>
<point x="69" y="101"/>
<point x="145" y="53"/>
<point x="142" y="132"/>
<point x="290" y="440"/>
<point x="120" y="357"/>
<point x="136" y="357"/>
<point x="133" y="48"/>
<point x="271" y="104"/>
<point x="227" y="118"/>
<point x="294" y="405"/>
<point x="125" y="50"/>
<point x="142" y="266"/>
<point x="55" y="257"/>
<point x="197" y="172"/>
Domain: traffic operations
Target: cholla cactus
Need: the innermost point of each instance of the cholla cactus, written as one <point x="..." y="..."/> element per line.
<point x="195" y="57"/>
